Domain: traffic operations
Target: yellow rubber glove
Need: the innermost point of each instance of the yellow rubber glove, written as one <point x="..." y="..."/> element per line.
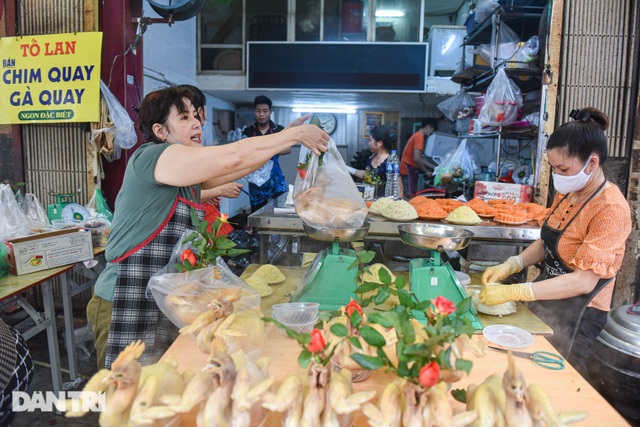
<point x="493" y="294"/>
<point x="499" y="272"/>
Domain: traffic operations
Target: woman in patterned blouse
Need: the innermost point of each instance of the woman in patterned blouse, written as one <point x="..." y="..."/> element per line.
<point x="581" y="243"/>
<point x="381" y="142"/>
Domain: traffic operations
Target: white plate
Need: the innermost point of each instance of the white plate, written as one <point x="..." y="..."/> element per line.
<point x="508" y="336"/>
<point x="464" y="278"/>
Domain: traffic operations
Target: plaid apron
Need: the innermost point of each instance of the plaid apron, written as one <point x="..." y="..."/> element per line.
<point x="135" y="315"/>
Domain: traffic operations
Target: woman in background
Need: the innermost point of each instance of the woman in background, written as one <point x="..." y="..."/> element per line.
<point x="381" y="142"/>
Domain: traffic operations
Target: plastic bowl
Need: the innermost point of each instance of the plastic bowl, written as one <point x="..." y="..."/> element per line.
<point x="299" y="316"/>
<point x="61" y="224"/>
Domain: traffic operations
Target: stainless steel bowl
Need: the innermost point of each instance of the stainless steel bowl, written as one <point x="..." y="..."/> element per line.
<point x="435" y="236"/>
<point x="337" y="234"/>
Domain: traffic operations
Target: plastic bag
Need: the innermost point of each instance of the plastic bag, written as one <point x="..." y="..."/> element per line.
<point x="33" y="211"/>
<point x="324" y="194"/>
<point x="122" y="129"/>
<point x="458" y="107"/>
<point x="484" y="9"/>
<point x="457" y="167"/>
<point x="97" y="206"/>
<point x="262" y="175"/>
<point x="501" y="102"/>
<point x="182" y="297"/>
<point x="12" y="221"/>
<point x="507" y="44"/>
<point x="528" y="52"/>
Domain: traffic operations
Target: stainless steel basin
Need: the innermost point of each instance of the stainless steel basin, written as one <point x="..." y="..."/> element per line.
<point x="435" y="236"/>
<point x="337" y="234"/>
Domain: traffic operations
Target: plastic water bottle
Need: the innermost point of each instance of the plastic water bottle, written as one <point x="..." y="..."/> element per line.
<point x="393" y="175"/>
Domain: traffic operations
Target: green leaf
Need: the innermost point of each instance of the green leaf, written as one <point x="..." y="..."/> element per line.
<point x="403" y="369"/>
<point x="463" y="306"/>
<point x="423" y="305"/>
<point x="366" y="257"/>
<point x="464" y="365"/>
<point x="236" y="252"/>
<point x="421" y="350"/>
<point x="408" y="333"/>
<point x="225" y="243"/>
<point x="354" y="264"/>
<point x="368" y="362"/>
<point x="180" y="268"/>
<point x="387" y="319"/>
<point x="190" y="237"/>
<point x="384" y="276"/>
<point x="405" y="298"/>
<point x="383" y="294"/>
<point x="372" y="337"/>
<point x="356" y="319"/>
<point x="315" y="121"/>
<point x="459" y="394"/>
<point x="304" y="358"/>
<point x="355" y="342"/>
<point x="339" y="330"/>
<point x="194" y="216"/>
<point x="366" y="287"/>
<point x="400" y="282"/>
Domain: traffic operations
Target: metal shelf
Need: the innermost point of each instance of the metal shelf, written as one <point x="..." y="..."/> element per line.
<point x="524" y="20"/>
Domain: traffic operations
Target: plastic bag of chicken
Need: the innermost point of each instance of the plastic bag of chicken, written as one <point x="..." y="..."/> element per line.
<point x="324" y="194"/>
<point x="182" y="297"/>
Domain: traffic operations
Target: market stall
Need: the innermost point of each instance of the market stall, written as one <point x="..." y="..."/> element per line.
<point x="566" y="388"/>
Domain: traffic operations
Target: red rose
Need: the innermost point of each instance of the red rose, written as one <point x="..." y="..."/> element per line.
<point x="443" y="305"/>
<point x="302" y="173"/>
<point x="317" y="343"/>
<point x="188" y="255"/>
<point x="429" y="375"/>
<point x="353" y="305"/>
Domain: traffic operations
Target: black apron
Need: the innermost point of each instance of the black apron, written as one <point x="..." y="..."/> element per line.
<point x="135" y="314"/>
<point x="566" y="316"/>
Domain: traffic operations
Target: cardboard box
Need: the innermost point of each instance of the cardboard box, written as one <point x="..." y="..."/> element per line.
<point x="487" y="190"/>
<point x="48" y="250"/>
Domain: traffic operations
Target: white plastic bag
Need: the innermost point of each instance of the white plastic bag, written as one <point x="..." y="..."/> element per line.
<point x="507" y="42"/>
<point x="484" y="9"/>
<point x="12" y="221"/>
<point x="262" y="175"/>
<point x="182" y="297"/>
<point x="457" y="167"/>
<point x="324" y="193"/>
<point x="123" y="127"/>
<point x="458" y="107"/>
<point x="501" y="101"/>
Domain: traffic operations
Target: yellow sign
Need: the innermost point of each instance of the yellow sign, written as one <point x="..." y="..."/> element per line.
<point x="50" y="78"/>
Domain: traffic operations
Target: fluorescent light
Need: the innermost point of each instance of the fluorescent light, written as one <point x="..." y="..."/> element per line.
<point x="316" y="109"/>
<point x="389" y="13"/>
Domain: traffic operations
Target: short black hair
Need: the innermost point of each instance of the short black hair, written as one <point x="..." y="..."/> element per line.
<point x="583" y="136"/>
<point x="433" y="122"/>
<point x="199" y="101"/>
<point x="261" y="99"/>
<point x="156" y="106"/>
<point x="385" y="134"/>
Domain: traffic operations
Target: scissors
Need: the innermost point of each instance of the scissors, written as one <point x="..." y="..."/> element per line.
<point x="546" y="359"/>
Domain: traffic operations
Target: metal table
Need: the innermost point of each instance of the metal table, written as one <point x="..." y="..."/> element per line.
<point x="269" y="222"/>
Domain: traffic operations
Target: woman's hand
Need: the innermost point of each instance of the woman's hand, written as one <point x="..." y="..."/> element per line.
<point x="312" y="137"/>
<point x="230" y="190"/>
<point x="299" y="120"/>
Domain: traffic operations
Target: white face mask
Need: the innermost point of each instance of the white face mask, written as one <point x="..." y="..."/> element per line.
<point x="568" y="184"/>
<point x="171" y="137"/>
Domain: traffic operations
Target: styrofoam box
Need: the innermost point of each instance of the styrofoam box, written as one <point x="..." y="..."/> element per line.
<point x="48" y="250"/>
<point x="487" y="190"/>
